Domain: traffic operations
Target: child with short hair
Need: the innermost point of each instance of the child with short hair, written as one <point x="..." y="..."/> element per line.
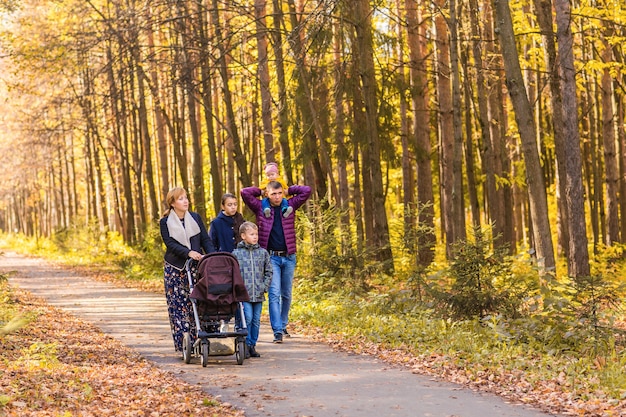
<point x="256" y="271"/>
<point x="272" y="174"/>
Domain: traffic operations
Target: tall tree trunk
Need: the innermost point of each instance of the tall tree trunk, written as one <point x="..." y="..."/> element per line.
<point x="621" y="135"/>
<point x="321" y="159"/>
<point x="498" y="126"/>
<point x="264" y="79"/>
<point x="598" y="173"/>
<point x="523" y="115"/>
<point x="421" y="133"/>
<point x="99" y="183"/>
<point x="543" y="10"/>
<point x="358" y="195"/>
<point x="230" y="125"/>
<point x="312" y="134"/>
<point x="365" y="61"/>
<point x="458" y="201"/>
<point x="408" y="178"/>
<point x="342" y="151"/>
<point x="95" y="187"/>
<point x="162" y="143"/>
<point x="126" y="217"/>
<point x="147" y="147"/>
<point x="610" y="154"/>
<point x="125" y="155"/>
<point x="472" y="190"/>
<point x="64" y="161"/>
<point x="56" y="179"/>
<point x="446" y="128"/>
<point x="136" y="150"/>
<point x="495" y="204"/>
<point x="578" y="261"/>
<point x="283" y="109"/>
<point x="179" y="143"/>
<point x="357" y="133"/>
<point x="188" y="82"/>
<point x="207" y="101"/>
<point x="588" y="160"/>
<point x="72" y="160"/>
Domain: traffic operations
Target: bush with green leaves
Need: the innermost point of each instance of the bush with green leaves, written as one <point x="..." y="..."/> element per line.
<point x="145" y="262"/>
<point x="482" y="282"/>
<point x="329" y="261"/>
<point x="576" y="316"/>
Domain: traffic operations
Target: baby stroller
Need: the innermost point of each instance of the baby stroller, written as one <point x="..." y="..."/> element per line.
<point x="216" y="290"/>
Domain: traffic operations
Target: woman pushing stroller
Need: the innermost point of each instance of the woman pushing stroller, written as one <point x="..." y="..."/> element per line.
<point x="185" y="236"/>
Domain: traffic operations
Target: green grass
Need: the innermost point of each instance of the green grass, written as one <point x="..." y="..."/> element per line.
<point x="101" y="253"/>
<point x="478" y="348"/>
<point x="10" y="318"/>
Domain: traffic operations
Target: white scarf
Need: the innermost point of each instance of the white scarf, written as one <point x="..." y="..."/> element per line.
<point x="175" y="227"/>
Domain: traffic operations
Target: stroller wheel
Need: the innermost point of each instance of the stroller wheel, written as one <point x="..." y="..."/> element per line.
<point x="204" y="359"/>
<point x="187" y="347"/>
<point x="240" y="353"/>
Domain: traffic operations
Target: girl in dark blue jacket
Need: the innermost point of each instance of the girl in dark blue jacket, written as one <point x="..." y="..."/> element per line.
<point x="224" y="231"/>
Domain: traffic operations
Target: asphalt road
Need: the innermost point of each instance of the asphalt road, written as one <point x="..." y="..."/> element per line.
<point x="297" y="378"/>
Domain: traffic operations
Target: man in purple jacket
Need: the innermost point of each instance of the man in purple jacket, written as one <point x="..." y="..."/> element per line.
<point x="277" y="234"/>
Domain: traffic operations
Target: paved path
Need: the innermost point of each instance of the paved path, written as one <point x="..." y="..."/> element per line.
<point x="298" y="378"/>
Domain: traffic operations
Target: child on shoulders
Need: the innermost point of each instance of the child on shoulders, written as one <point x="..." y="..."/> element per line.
<point x="272" y="174"/>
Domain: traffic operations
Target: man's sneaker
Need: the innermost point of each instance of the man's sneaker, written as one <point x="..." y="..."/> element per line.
<point x="286" y="333"/>
<point x="252" y="353"/>
<point x="287" y="211"/>
<point x="267" y="212"/>
<point x="278" y="337"/>
<point x="247" y="355"/>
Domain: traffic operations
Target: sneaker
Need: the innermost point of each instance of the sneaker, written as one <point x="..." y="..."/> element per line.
<point x="267" y="212"/>
<point x="252" y="353"/>
<point x="287" y="211"/>
<point x="247" y="354"/>
<point x="286" y="333"/>
<point x="278" y="337"/>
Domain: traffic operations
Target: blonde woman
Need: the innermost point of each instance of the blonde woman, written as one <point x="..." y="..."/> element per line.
<point x="185" y="236"/>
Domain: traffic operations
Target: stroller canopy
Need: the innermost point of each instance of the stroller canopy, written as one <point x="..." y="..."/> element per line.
<point x="219" y="280"/>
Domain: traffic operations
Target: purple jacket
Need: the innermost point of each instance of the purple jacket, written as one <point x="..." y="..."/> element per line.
<point x="251" y="197"/>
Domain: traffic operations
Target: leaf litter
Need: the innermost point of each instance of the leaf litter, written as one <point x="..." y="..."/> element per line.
<point x="59" y="365"/>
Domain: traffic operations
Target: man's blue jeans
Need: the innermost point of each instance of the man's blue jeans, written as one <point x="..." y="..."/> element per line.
<point x="252" y="311"/>
<point x="280" y="291"/>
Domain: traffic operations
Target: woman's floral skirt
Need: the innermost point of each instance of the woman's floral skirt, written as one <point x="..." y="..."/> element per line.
<point x="179" y="305"/>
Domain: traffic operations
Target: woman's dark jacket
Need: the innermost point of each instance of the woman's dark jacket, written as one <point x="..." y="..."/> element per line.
<point x="224" y="232"/>
<point x="176" y="254"/>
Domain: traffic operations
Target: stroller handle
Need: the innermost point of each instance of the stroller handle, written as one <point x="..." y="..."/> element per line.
<point x="188" y="263"/>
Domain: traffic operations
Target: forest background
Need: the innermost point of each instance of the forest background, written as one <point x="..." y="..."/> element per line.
<point x="466" y="157"/>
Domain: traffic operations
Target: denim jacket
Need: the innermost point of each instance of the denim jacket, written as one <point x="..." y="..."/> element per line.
<point x="256" y="269"/>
